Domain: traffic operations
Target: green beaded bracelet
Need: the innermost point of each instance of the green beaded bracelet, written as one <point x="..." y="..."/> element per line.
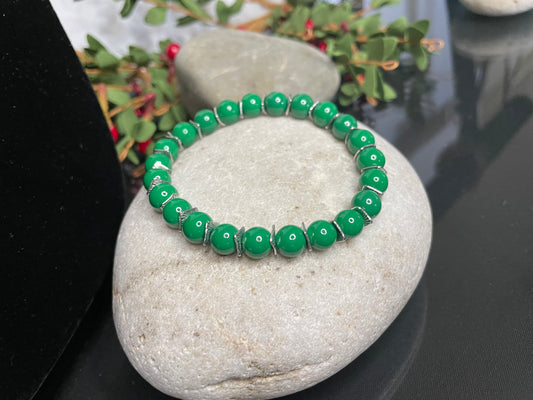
<point x="258" y="242"/>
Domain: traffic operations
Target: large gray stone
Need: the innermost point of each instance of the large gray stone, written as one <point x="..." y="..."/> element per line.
<point x="226" y="64"/>
<point x="199" y="326"/>
<point x="498" y="8"/>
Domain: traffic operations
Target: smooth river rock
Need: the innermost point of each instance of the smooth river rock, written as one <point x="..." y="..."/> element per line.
<point x="498" y="8"/>
<point x="199" y="326"/>
<point x="226" y="64"/>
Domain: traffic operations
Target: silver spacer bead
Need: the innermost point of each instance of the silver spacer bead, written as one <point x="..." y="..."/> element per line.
<point x="183" y="216"/>
<point x="156" y="181"/>
<point x="273" y="240"/>
<point x="172" y="196"/>
<point x="310" y="115"/>
<point x="160" y="165"/>
<point x="366" y="218"/>
<point x="208" y="229"/>
<point x="169" y="135"/>
<point x="241" y="113"/>
<point x="237" y="238"/>
<point x="339" y="231"/>
<point x="348" y="134"/>
<point x="307" y="241"/>
<point x="328" y="126"/>
<point x="263" y="105"/>
<point x="374" y="167"/>
<point x="373" y="189"/>
<point x="289" y="98"/>
<point x="217" y="117"/>
<point x="197" y="126"/>
<point x="367" y="146"/>
<point x="166" y="153"/>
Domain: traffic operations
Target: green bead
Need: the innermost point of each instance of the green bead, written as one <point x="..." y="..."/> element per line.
<point x="251" y="105"/>
<point x="350" y="222"/>
<point x="342" y="126"/>
<point x="168" y="145"/>
<point x="370" y="157"/>
<point x="290" y="241"/>
<point x="160" y="193"/>
<point x="172" y="210"/>
<point x="358" y="138"/>
<point x="276" y="104"/>
<point x="300" y="106"/>
<point x="256" y="242"/>
<point x="322" y="234"/>
<point x="323" y="113"/>
<point x="186" y="133"/>
<point x="194" y="226"/>
<point x="368" y="201"/>
<point x="222" y="239"/>
<point x="155" y="173"/>
<point x="207" y="121"/>
<point x="228" y="112"/>
<point x="375" y="178"/>
<point x="156" y="161"/>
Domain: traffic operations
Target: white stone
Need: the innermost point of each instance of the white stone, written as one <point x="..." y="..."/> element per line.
<point x="497" y="8"/>
<point x="199" y="326"/>
<point x="226" y="64"/>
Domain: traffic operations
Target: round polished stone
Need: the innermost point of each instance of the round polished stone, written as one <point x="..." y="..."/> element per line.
<point x="290" y="241"/>
<point x="300" y="106"/>
<point x="350" y="222"/>
<point x="322" y="234"/>
<point x="375" y="178"/>
<point x="251" y="105"/>
<point x="368" y="201"/>
<point x="186" y="133"/>
<point x="256" y="242"/>
<point x="323" y="113"/>
<point x="207" y="121"/>
<point x="342" y="126"/>
<point x="370" y="157"/>
<point x="173" y="209"/>
<point x="222" y="239"/>
<point x="151" y="174"/>
<point x="168" y="145"/>
<point x="160" y="193"/>
<point x="156" y="161"/>
<point x="228" y="112"/>
<point x="358" y="138"/>
<point x="194" y="226"/>
<point x="276" y="104"/>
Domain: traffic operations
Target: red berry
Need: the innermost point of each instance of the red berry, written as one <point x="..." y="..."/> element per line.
<point x="360" y="78"/>
<point x="114" y="132"/>
<point x="139" y="112"/>
<point x="344" y="27"/>
<point x="309" y="24"/>
<point x="172" y="50"/>
<point x="322" y="46"/>
<point x="144" y="145"/>
<point x="242" y="28"/>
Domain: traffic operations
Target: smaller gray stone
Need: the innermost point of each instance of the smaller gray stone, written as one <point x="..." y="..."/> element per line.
<point x="226" y="64"/>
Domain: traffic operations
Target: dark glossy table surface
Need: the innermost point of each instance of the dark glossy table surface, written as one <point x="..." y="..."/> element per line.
<point x="466" y="125"/>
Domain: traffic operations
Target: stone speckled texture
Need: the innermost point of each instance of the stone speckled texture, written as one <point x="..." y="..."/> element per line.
<point x="199" y="326"/>
<point x="497" y="8"/>
<point x="226" y="64"/>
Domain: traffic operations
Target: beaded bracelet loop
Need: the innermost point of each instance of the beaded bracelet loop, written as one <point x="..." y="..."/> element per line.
<point x="258" y="242"/>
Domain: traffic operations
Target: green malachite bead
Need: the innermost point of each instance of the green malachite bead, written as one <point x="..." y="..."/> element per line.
<point x="290" y="241"/>
<point x="154" y="173"/>
<point x="222" y="240"/>
<point x="168" y="145"/>
<point x="160" y="193"/>
<point x="323" y="113"/>
<point x="342" y="126"/>
<point x="370" y="157"/>
<point x="375" y="178"/>
<point x="300" y="106"/>
<point x="251" y="105"/>
<point x="322" y="234"/>
<point x="276" y="104"/>
<point x="350" y="222"/>
<point x="368" y="201"/>
<point x="186" y="133"/>
<point x="172" y="210"/>
<point x="359" y="138"/>
<point x="256" y="242"/>
<point x="153" y="160"/>
<point x="207" y="121"/>
<point x="194" y="227"/>
<point x="228" y="112"/>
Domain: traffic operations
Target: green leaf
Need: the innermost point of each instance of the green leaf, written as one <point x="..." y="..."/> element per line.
<point x="157" y="74"/>
<point x="343" y="46"/>
<point x="380" y="49"/>
<point x="421" y="56"/>
<point x="341" y="13"/>
<point x="163" y="44"/>
<point x="186" y="20"/>
<point x="350" y="89"/>
<point x="345" y="101"/>
<point x="122" y="143"/>
<point x="139" y="56"/>
<point x="132" y="156"/>
<point x="94" y="44"/>
<point x="372" y="83"/>
<point x="192" y="6"/>
<point x="125" y="121"/>
<point x="166" y="122"/>
<point x="156" y="16"/>
<point x="416" y="31"/>
<point x="165" y="88"/>
<point x="178" y="112"/>
<point x="397" y="28"/>
<point x="118" y="97"/>
<point x="223" y="12"/>
<point x="368" y="25"/>
<point x="382" y="3"/>
<point x="296" y="22"/>
<point x="389" y="93"/>
<point x="320" y="14"/>
<point x="106" y="60"/>
<point x="108" y="78"/>
<point x="142" y="130"/>
<point x="127" y="8"/>
<point x="159" y="97"/>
